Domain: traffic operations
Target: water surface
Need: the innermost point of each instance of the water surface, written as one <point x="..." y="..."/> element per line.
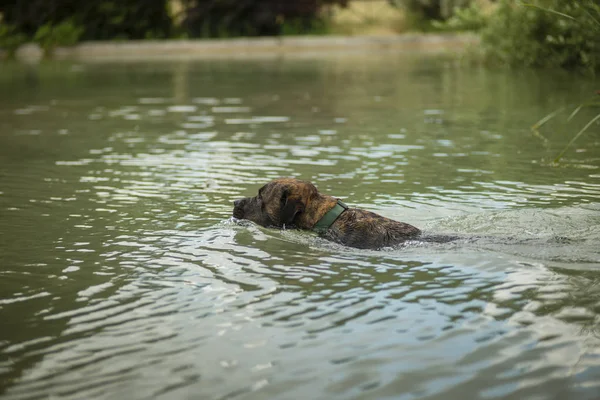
<point x="122" y="275"/>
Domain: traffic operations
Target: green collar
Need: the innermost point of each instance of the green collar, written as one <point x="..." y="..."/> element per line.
<point x="329" y="218"/>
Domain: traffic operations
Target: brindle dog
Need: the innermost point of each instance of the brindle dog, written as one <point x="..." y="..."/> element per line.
<point x="292" y="203"/>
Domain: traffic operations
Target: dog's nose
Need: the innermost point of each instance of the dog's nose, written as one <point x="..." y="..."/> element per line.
<point x="237" y="203"/>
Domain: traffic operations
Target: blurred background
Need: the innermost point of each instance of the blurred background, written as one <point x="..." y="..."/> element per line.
<point x="146" y="19"/>
<point x="539" y="33"/>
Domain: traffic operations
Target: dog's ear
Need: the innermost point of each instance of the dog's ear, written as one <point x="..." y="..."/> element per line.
<point x="290" y="207"/>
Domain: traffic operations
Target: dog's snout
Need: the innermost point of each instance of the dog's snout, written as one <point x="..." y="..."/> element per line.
<point x="237" y="203"/>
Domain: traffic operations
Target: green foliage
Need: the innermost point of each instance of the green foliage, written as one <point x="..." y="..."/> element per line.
<point x="426" y="15"/>
<point x="10" y="39"/>
<point x="542" y="33"/>
<point x="154" y="19"/>
<point x="551" y="33"/>
<point x="438" y="10"/>
<point x="230" y="18"/>
<point x="101" y="19"/>
<point x="50" y="36"/>
<point x="470" y="18"/>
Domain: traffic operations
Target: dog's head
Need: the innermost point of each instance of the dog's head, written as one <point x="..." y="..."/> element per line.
<point x="279" y="203"/>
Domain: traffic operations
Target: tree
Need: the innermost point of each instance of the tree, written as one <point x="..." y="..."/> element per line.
<point x="217" y="18"/>
<point x="100" y="20"/>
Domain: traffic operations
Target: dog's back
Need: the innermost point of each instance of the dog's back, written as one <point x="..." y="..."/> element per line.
<point x="366" y="230"/>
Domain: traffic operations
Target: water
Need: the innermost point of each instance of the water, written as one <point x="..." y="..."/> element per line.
<point x="124" y="277"/>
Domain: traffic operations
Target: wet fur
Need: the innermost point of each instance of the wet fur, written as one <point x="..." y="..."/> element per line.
<point x="293" y="203"/>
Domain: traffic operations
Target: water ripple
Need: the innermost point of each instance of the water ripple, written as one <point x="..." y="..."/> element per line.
<point x="122" y="263"/>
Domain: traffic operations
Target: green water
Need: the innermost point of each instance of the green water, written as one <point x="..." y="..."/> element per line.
<point x="123" y="276"/>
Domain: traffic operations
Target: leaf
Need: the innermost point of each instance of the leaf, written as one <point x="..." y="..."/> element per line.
<point x="575" y="112"/>
<point x="547" y="118"/>
<point x="549" y="10"/>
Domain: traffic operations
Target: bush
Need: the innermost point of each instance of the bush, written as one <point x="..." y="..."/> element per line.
<point x="424" y="14"/>
<point x="544" y="33"/>
<point x="551" y="33"/>
<point x="50" y="36"/>
<point x="470" y="18"/>
<point x="10" y="39"/>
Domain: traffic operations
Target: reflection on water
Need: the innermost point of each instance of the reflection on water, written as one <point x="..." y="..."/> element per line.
<point x="123" y="275"/>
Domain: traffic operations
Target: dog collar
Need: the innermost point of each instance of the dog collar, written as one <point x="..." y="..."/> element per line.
<point x="329" y="218"/>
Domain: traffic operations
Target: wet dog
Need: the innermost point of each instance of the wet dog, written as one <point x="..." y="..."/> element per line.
<point x="293" y="203"/>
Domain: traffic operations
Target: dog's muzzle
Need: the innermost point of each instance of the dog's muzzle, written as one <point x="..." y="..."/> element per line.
<point x="238" y="208"/>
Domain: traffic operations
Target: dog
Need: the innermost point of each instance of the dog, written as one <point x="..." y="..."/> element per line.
<point x="294" y="203"/>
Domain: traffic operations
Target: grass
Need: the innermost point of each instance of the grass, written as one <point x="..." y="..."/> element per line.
<point x="592" y="103"/>
<point x="535" y="128"/>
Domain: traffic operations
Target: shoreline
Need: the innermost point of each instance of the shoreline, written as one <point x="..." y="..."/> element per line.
<point x="253" y="47"/>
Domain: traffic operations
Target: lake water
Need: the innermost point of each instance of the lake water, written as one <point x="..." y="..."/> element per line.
<point x="123" y="276"/>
